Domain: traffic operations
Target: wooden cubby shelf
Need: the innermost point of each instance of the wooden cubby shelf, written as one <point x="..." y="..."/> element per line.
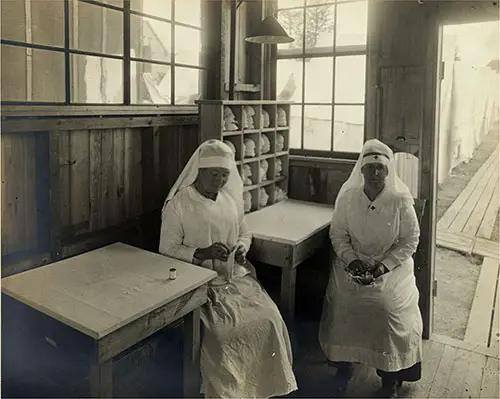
<point x="266" y="124"/>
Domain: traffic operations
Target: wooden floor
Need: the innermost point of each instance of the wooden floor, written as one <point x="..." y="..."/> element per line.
<point x="467" y="225"/>
<point x="451" y="369"/>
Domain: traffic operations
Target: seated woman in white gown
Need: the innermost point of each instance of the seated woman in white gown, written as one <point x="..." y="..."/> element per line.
<point x="371" y="314"/>
<point x="246" y="351"/>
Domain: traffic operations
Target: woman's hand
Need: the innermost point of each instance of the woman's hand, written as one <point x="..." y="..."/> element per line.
<point x="378" y="270"/>
<point x="357" y="267"/>
<point x="217" y="251"/>
<point x="240" y="255"/>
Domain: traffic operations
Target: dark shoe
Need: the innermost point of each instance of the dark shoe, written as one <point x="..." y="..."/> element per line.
<point x="390" y="388"/>
<point x="341" y="380"/>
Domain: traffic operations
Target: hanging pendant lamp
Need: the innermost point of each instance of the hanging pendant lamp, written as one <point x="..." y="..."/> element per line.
<point x="269" y="31"/>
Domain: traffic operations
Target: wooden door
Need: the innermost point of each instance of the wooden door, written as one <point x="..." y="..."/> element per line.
<point x="400" y="105"/>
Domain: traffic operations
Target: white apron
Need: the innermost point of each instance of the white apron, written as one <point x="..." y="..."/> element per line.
<point x="378" y="325"/>
<point x="246" y="351"/>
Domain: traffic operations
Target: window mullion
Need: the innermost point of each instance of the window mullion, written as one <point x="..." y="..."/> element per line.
<point x="126" y="53"/>
<point x="335" y="15"/>
<point x="302" y="119"/>
<point x="172" y="55"/>
<point x="67" y="70"/>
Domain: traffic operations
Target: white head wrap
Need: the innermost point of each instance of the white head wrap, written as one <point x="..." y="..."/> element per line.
<point x="374" y="151"/>
<point x="211" y="154"/>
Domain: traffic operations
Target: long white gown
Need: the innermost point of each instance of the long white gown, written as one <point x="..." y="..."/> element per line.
<point x="246" y="351"/>
<point x="378" y="325"/>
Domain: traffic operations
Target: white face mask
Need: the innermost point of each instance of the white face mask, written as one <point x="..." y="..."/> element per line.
<point x="249" y="148"/>
<point x="264" y="197"/>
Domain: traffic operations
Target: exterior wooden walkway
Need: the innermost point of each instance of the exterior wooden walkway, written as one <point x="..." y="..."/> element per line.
<point x="467" y="225"/>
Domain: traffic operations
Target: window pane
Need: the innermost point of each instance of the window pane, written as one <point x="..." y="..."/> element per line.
<point x="350" y="74"/>
<point x="317" y="127"/>
<point x="157" y="8"/>
<point x="46" y="18"/>
<point x="96" y="80"/>
<point x="319" y="26"/>
<point x="98" y="29"/>
<point x="290" y="3"/>
<point x="187" y="85"/>
<point x="289" y="80"/>
<point x="293" y="23"/>
<point x="349" y="128"/>
<point x="187" y="45"/>
<point x="295" y="126"/>
<point x="150" y="83"/>
<point x="32" y="75"/>
<point x="188" y="12"/>
<point x="150" y="39"/>
<point x="319" y="75"/>
<point x="352" y="23"/>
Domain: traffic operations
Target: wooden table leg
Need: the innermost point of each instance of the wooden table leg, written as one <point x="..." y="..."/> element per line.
<point x="192" y="354"/>
<point x="287" y="295"/>
<point x="101" y="380"/>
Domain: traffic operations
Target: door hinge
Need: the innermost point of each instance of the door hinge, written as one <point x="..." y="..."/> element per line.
<point x="434" y="288"/>
<point x="441" y="71"/>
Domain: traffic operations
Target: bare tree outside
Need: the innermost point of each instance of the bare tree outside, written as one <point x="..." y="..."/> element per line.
<point x="319" y="20"/>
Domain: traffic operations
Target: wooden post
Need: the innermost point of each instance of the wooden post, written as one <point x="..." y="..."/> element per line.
<point x="191" y="381"/>
<point x="287" y="295"/>
<point x="232" y="50"/>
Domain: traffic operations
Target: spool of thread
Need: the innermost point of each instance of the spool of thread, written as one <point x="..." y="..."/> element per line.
<point x="173" y="273"/>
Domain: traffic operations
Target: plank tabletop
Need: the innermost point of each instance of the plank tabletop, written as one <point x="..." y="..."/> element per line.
<point x="100" y="291"/>
<point x="289" y="221"/>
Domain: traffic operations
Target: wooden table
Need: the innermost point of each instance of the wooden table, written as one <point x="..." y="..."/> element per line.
<point x="284" y="235"/>
<point x="98" y="304"/>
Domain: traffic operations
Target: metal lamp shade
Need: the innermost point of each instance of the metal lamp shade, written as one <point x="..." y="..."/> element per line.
<point x="269" y="32"/>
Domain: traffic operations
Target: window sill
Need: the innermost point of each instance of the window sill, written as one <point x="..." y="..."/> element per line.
<point x="104" y="110"/>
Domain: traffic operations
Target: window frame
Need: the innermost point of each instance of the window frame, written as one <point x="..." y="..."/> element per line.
<point x="126" y="58"/>
<point x="331" y="52"/>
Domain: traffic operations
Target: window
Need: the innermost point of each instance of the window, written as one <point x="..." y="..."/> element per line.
<point x="102" y="52"/>
<point x="323" y="71"/>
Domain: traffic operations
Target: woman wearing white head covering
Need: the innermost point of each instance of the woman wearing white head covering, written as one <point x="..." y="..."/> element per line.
<point x="370" y="313"/>
<point x="246" y="351"/>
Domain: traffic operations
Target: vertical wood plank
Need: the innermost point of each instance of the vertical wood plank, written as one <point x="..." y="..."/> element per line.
<point x="170" y="147"/>
<point x="55" y="196"/>
<point x="30" y="204"/>
<point x="107" y="166"/>
<point x="133" y="181"/>
<point x="149" y="168"/>
<point x="95" y="180"/>
<point x="12" y="212"/>
<point x="119" y="175"/>
<point x="42" y="156"/>
<point x="80" y="180"/>
<point x="65" y="162"/>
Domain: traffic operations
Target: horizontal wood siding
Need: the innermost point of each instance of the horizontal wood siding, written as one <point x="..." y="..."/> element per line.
<point x="80" y="185"/>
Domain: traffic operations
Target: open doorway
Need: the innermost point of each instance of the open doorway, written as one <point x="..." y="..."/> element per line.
<point x="467" y="211"/>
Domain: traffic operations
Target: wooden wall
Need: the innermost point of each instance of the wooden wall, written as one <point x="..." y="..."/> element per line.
<point x="72" y="184"/>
